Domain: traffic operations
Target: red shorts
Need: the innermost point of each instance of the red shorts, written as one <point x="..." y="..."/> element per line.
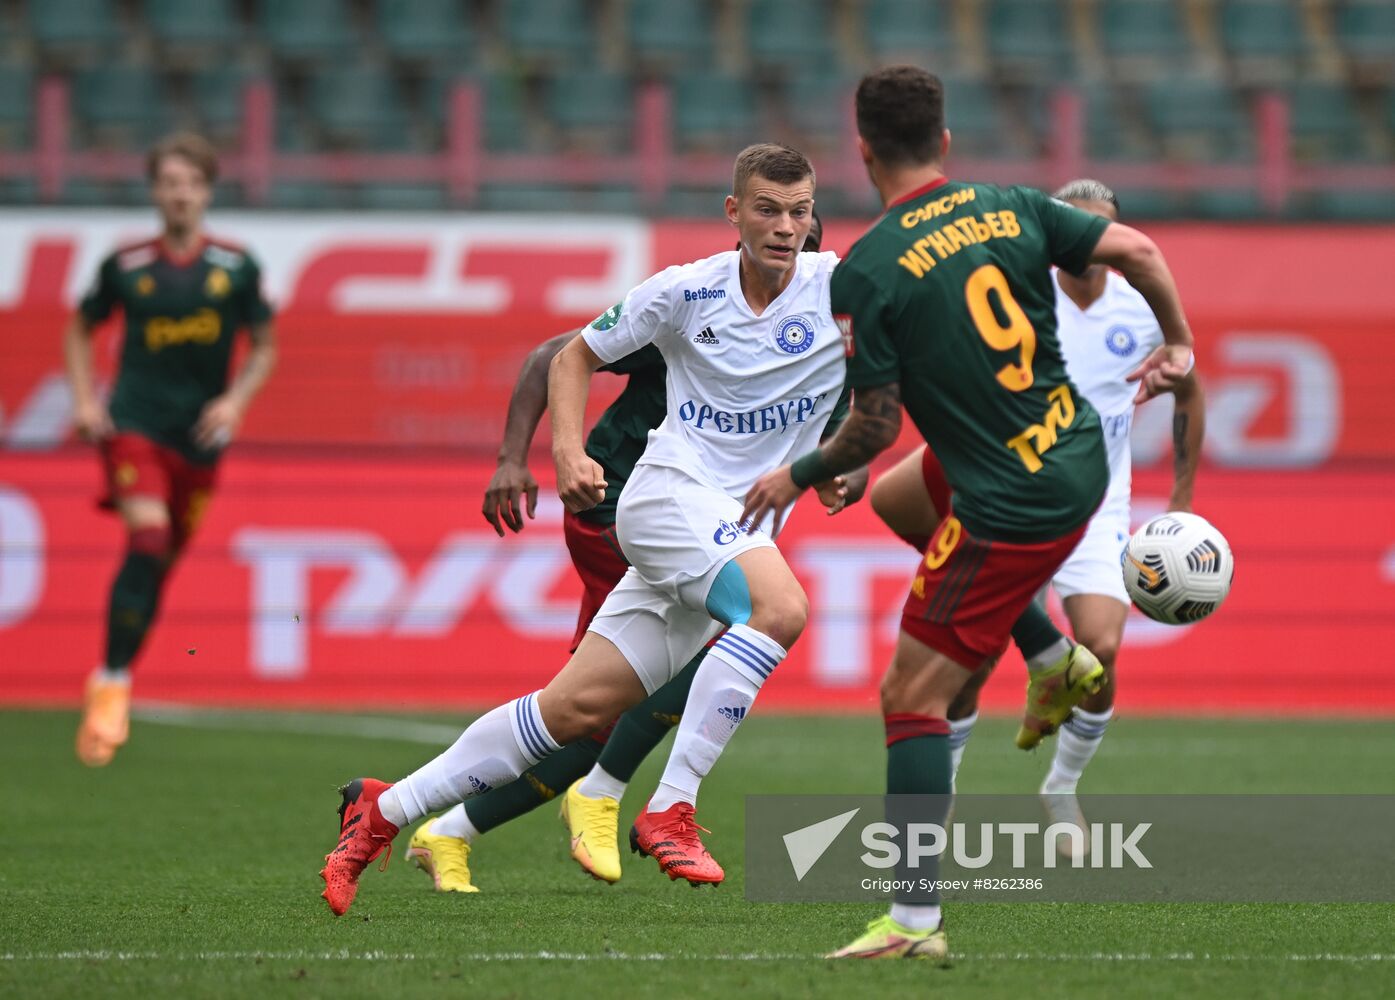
<point x="968" y="593"/>
<point x="935" y="482"/>
<point x="136" y="466"/>
<point x="599" y="562"/>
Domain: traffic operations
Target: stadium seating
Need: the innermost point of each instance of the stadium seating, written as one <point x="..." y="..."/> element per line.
<point x="503" y="106"/>
<point x="784" y="34"/>
<point x="204" y="27"/>
<point x="1325" y="122"/>
<point x="592" y="110"/>
<point x="1197" y="119"/>
<point x="713" y="111"/>
<point x="1142" y="39"/>
<point x="16" y="107"/>
<point x="434" y="30"/>
<point x="1029" y="39"/>
<point x="552" y="31"/>
<point x="1365" y="30"/>
<point x="911" y="31"/>
<point x="64" y="24"/>
<point x="218" y="95"/>
<point x="1263" y="38"/>
<point x="121" y="104"/>
<point x="671" y="33"/>
<point x="974" y="116"/>
<point x="358" y="107"/>
<point x="307" y="29"/>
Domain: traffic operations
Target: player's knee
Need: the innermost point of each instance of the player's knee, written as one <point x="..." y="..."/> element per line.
<point x="782" y="616"/>
<point x="577" y="715"/>
<point x="151" y="540"/>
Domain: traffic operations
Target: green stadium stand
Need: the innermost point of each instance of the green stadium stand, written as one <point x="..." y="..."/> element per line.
<point x="503" y="104"/>
<point x="123" y="102"/>
<point x="403" y="197"/>
<point x="791" y="33"/>
<point x="532" y="197"/>
<point x="308" y="195"/>
<point x="910" y="31"/>
<point x="1141" y="204"/>
<point x="104" y="194"/>
<point x="19" y="191"/>
<point x="673" y="34"/>
<point x="1227" y="205"/>
<point x="1197" y="118"/>
<point x="713" y="111"/>
<point x="1365" y="30"/>
<point x="973" y="116"/>
<point x="435" y="30"/>
<point x="1141" y="37"/>
<point x="594" y="109"/>
<point x="193" y="24"/>
<point x="551" y="31"/>
<point x="73" y="23"/>
<point x="16" y="107"/>
<point x="359" y="107"/>
<point x="217" y="96"/>
<point x="1263" y="38"/>
<point x="820" y="106"/>
<point x="308" y="29"/>
<point x="1354" y="206"/>
<point x="1029" y="39"/>
<point x="1324" y="122"/>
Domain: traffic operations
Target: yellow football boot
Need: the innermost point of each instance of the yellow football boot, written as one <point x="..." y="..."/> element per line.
<point x="106" y="720"/>
<point x="1053" y="693"/>
<point x="445" y="859"/>
<point x="885" y="938"/>
<point x="593" y="825"/>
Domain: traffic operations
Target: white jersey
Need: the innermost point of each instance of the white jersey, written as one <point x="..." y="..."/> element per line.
<point x="1101" y="345"/>
<point x="746" y="393"/>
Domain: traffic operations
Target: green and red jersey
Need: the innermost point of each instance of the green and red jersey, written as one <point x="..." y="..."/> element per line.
<point x="950" y="295"/>
<point x="621" y="433"/>
<point x="181" y="318"/>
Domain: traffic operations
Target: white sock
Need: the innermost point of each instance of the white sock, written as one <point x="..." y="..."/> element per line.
<point x="1049" y="655"/>
<point x="1076" y="743"/>
<point x="724" y="688"/>
<point x="106" y="675"/>
<point x="498" y="747"/>
<point x="959" y="732"/>
<point x="601" y="784"/>
<point x="916" y="916"/>
<point x="455" y="822"/>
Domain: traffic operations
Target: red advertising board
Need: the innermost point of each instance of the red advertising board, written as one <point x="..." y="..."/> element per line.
<point x="375" y="583"/>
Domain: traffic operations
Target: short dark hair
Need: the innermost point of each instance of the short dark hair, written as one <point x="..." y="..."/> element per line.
<point x="1088" y="189"/>
<point x="188" y="146"/>
<point x="901" y="115"/>
<point x="770" y="160"/>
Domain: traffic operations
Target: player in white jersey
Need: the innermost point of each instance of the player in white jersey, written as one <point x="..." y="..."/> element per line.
<point x="755" y="371"/>
<point x="1106" y="329"/>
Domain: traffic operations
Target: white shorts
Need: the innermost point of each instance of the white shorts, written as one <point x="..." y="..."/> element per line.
<point x="677" y="534"/>
<point x="1096" y="565"/>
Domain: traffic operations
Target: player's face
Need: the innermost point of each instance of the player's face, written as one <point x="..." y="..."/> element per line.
<point x="181" y="192"/>
<point x="773" y="221"/>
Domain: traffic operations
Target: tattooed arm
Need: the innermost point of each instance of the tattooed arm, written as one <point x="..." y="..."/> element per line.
<point x="871" y="428"/>
<point x="1188" y="431"/>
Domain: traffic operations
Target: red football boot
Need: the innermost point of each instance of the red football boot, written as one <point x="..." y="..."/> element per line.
<point x="671" y="839"/>
<point x="363" y="835"/>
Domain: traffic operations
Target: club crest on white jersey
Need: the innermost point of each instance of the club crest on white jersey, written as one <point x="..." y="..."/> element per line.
<point x="746" y="393"/>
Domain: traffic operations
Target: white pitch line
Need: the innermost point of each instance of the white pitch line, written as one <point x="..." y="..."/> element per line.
<point x="374" y="727"/>
<point x="558" y="956"/>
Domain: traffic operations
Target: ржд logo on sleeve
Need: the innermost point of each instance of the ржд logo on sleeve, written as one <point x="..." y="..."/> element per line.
<point x="844" y="321"/>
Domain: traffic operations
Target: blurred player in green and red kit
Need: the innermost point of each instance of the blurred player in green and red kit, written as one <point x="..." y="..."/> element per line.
<point x="591" y="774"/>
<point x="947" y="304"/>
<point x="172" y="412"/>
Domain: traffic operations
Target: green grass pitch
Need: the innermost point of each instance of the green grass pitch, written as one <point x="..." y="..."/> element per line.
<point x="189" y="868"/>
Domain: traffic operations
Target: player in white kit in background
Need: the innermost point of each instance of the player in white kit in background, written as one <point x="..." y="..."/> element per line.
<point x="755" y="371"/>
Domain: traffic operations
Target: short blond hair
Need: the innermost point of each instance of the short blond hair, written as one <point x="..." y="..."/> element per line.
<point x="774" y="162"/>
<point x="187" y="146"/>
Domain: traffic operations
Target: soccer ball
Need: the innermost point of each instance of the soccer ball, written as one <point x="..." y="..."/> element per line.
<point x="1178" y="568"/>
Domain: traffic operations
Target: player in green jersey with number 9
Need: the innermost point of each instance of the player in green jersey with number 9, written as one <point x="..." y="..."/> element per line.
<point x="947" y="305"/>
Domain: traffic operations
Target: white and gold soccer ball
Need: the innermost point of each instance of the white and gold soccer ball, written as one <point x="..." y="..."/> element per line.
<point x="1178" y="568"/>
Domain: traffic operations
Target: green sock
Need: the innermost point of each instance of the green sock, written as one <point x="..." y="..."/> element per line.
<point x="1035" y="632"/>
<point x="643" y="727"/>
<point x="135" y="597"/>
<point x="917" y="763"/>
<point x="539" y="784"/>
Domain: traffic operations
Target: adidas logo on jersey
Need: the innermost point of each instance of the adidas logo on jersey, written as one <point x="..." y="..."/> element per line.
<point x="706" y="337"/>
